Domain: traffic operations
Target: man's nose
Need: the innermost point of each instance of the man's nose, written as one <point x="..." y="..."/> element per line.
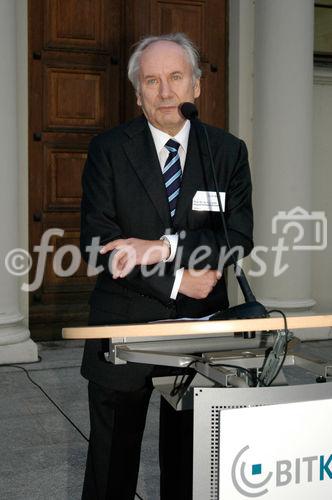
<point x="165" y="90"/>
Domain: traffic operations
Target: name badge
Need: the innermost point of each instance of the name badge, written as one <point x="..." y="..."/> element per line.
<point x="207" y="201"/>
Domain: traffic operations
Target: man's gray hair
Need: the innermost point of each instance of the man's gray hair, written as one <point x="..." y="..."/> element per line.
<point x="179" y="38"/>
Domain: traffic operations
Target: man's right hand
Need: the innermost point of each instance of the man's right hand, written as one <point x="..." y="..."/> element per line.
<point x="198" y="284"/>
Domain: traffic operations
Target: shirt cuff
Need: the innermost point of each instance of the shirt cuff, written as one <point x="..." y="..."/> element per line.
<point x="173" y="241"/>
<point x="177" y="283"/>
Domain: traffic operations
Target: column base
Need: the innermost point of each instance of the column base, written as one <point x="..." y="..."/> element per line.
<point x="294" y="305"/>
<point x="22" y="352"/>
<point x="16" y="345"/>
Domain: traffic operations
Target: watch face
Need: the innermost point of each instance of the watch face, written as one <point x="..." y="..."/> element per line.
<point x="168" y="243"/>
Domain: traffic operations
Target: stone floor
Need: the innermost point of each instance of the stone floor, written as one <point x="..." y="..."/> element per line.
<point x="42" y="455"/>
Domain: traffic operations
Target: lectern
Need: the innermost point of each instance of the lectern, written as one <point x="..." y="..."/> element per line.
<point x="228" y="363"/>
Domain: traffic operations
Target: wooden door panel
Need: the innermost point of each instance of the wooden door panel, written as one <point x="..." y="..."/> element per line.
<point x="170" y="17"/>
<point x="76" y="98"/>
<point x="65" y="274"/>
<point x="76" y="24"/>
<point x="63" y="172"/>
<point x="214" y="96"/>
<point x="63" y="263"/>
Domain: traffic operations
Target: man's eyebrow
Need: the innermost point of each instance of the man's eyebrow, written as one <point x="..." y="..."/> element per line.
<point x="178" y="71"/>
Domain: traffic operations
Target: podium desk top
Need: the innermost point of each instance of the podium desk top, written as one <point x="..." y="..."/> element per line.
<point x="173" y="328"/>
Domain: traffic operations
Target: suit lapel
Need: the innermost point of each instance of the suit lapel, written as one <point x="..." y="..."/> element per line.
<point x="141" y="153"/>
<point x="192" y="180"/>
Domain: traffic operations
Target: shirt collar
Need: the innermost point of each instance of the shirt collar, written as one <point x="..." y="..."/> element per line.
<point x="160" y="138"/>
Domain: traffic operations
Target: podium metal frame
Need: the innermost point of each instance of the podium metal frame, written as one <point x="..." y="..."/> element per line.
<point x="216" y="387"/>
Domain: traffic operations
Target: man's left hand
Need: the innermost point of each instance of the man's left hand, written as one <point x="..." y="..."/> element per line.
<point x="134" y="251"/>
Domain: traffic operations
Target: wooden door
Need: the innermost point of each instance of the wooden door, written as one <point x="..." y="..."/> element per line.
<point x="78" y="53"/>
<point x="74" y="93"/>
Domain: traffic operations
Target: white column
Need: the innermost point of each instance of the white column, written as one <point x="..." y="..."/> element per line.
<point x="283" y="116"/>
<point x="15" y="343"/>
<point x="240" y="94"/>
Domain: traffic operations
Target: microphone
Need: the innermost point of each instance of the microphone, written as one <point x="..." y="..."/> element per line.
<point x="251" y="308"/>
<point x="188" y="110"/>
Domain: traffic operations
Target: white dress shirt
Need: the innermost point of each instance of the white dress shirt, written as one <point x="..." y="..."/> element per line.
<point x="160" y="138"/>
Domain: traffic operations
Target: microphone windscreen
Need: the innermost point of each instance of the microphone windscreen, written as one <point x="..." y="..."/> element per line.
<point x="188" y="110"/>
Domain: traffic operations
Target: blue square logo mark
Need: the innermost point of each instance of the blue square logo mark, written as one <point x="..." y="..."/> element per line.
<point x="256" y="469"/>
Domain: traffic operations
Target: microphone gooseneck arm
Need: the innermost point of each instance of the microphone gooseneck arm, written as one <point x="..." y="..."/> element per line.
<point x="189" y="111"/>
<point x="239" y="273"/>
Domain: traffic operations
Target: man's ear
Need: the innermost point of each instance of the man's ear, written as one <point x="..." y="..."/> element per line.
<point x="197" y="88"/>
<point x="138" y="99"/>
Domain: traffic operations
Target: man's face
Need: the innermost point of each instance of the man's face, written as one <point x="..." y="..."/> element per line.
<point x="165" y="81"/>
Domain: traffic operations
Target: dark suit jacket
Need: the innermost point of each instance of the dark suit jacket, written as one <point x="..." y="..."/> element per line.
<point x="124" y="196"/>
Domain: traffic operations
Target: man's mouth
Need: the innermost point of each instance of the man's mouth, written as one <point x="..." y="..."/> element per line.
<point x="167" y="107"/>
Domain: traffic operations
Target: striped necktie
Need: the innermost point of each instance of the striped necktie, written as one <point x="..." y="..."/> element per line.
<point x="172" y="174"/>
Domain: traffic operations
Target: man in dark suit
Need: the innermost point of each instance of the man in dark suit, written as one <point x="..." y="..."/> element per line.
<point x="140" y="187"/>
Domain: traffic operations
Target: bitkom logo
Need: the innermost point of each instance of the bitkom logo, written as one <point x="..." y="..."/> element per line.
<point x="252" y="481"/>
<point x="241" y="475"/>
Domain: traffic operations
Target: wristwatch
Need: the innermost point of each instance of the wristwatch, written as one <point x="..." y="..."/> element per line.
<point x="166" y="240"/>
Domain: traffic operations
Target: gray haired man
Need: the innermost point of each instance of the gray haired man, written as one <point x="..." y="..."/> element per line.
<point x="139" y="183"/>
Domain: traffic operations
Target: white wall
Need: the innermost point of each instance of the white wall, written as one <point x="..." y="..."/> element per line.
<point x="322" y="185"/>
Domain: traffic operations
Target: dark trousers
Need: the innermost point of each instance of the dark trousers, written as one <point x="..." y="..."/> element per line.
<point x="117" y="421"/>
